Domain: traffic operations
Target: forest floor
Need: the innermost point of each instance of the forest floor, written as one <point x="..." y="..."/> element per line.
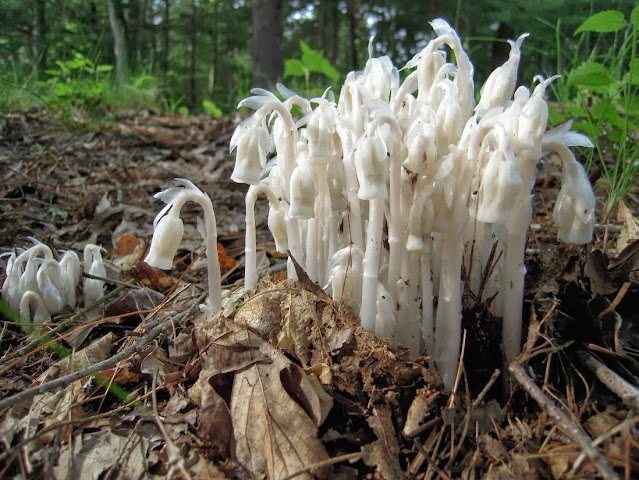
<point x="284" y="384"/>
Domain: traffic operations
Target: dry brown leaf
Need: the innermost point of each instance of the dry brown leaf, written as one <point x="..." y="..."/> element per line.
<point x="274" y="408"/>
<point x="422" y="406"/>
<point x="102" y="454"/>
<point x="298" y="321"/>
<point x="383" y="452"/>
<point x="630" y="229"/>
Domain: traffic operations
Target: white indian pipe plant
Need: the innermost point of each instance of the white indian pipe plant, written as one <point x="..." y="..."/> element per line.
<point x="38" y="286"/>
<point x="449" y="181"/>
<point x="169" y="229"/>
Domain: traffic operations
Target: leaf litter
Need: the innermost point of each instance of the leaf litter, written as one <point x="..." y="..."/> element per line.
<point x="284" y="383"/>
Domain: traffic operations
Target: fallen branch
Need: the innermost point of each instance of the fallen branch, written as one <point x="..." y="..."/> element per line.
<point x="46" y="336"/>
<point x="628" y="393"/>
<point x="563" y="421"/>
<point x="153" y="332"/>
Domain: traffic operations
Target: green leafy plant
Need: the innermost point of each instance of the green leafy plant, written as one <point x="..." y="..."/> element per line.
<point x="311" y="61"/>
<point x="77" y="81"/>
<point x="211" y="108"/>
<point x="173" y="105"/>
<point x="601" y="93"/>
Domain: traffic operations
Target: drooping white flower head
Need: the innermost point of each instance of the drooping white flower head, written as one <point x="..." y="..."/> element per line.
<point x="51" y="285"/>
<point x="574" y="212"/>
<point x="500" y="85"/>
<point x="277" y="227"/>
<point x="303" y="191"/>
<point x="320" y="132"/>
<point x="345" y="277"/>
<point x="500" y="182"/>
<point x="71" y="272"/>
<point x="371" y="167"/>
<point x="169" y="229"/>
<point x="32" y="310"/>
<point x="253" y="142"/>
<point x="93" y="265"/>
<point x="534" y="117"/>
<point x="380" y="77"/>
<point x="421" y="221"/>
<point x="167" y="236"/>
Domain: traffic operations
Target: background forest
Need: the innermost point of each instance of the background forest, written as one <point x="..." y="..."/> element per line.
<point x="205" y="55"/>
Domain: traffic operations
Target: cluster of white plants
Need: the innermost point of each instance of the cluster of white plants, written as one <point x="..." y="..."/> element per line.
<point x="383" y="196"/>
<point x="38" y="286"/>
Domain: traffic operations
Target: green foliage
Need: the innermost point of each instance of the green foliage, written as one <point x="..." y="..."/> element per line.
<point x="173" y="105"/>
<point x="211" y="109"/>
<point x="76" y="82"/>
<point x="603" y="22"/>
<point x="601" y="92"/>
<point x="311" y="61"/>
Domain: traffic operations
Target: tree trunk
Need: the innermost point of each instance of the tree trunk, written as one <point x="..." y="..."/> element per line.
<point x="135" y="31"/>
<point x="267" y="59"/>
<point x="164" y="63"/>
<point x="351" y="13"/>
<point x="148" y="51"/>
<point x="40" y="37"/>
<point x="120" y="49"/>
<point x="193" y="58"/>
<point x="329" y="29"/>
<point x="215" y="39"/>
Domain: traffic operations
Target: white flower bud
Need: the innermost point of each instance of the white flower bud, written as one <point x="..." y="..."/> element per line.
<point x="277" y="226"/>
<point x="303" y="192"/>
<point x="574" y="212"/>
<point x="370" y="164"/>
<point x="166" y="240"/>
<point x="252" y="148"/>
<point x="320" y="130"/>
<point x="500" y="85"/>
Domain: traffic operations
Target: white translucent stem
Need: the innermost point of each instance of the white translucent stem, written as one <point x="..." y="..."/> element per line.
<point x="354" y="208"/>
<point x="408" y="318"/>
<point x="428" y="325"/>
<point x="371" y="264"/>
<point x="394" y="226"/>
<point x="449" y="309"/>
<point x="322" y="214"/>
<point x="294" y="245"/>
<point x="514" y="270"/>
<point x="312" y="257"/>
<point x="250" y="247"/>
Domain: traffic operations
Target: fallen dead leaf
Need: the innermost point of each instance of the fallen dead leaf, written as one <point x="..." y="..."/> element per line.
<point x="383" y="452"/>
<point x="274" y="408"/>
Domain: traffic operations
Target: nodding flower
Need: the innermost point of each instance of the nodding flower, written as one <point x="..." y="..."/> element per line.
<point x="383" y="196"/>
<point x="168" y="230"/>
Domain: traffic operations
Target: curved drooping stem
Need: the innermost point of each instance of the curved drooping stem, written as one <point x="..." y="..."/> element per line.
<point x="168" y="232"/>
<point x="250" y="252"/>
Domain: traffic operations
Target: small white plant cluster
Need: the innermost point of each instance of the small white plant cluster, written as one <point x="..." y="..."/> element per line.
<point x="384" y="195"/>
<point x="38" y="286"/>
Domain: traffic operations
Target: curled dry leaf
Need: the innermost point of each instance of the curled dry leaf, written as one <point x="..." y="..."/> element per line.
<point x="273" y="408"/>
<point x="383" y="452"/>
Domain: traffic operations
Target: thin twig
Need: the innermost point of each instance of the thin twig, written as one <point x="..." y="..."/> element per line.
<point x="487" y="387"/>
<point x="128" y="284"/>
<point x="603" y="437"/>
<point x="98" y="367"/>
<point x="174" y="458"/>
<point x="628" y="393"/>
<point x="563" y="421"/>
<point x="351" y="457"/>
